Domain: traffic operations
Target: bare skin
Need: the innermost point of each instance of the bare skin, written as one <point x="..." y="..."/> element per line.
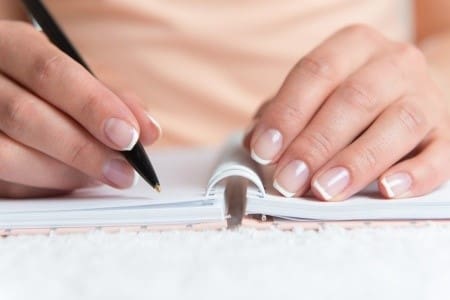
<point x="347" y="120"/>
<point x="340" y="121"/>
<point x="71" y="141"/>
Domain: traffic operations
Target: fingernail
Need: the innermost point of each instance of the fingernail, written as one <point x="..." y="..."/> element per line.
<point x="397" y="184"/>
<point x="267" y="146"/>
<point x="156" y="124"/>
<point x="119" y="173"/>
<point x="332" y="182"/>
<point x="121" y="134"/>
<point x="291" y="178"/>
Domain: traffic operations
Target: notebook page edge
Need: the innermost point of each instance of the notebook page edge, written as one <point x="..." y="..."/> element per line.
<point x="234" y="161"/>
<point x="435" y="205"/>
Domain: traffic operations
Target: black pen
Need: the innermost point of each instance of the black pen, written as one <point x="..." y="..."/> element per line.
<point x="136" y="156"/>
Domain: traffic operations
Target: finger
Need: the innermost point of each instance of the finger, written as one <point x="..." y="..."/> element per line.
<point x="396" y="132"/>
<point x="32" y="61"/>
<point x="150" y="129"/>
<point x="19" y="191"/>
<point x="26" y="166"/>
<point x="36" y="124"/>
<point x="262" y="108"/>
<point x="418" y="175"/>
<point x="349" y="110"/>
<point x="251" y="127"/>
<point x="307" y="86"/>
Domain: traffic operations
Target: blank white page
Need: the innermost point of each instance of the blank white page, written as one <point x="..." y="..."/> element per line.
<point x="366" y="205"/>
<point x="183" y="175"/>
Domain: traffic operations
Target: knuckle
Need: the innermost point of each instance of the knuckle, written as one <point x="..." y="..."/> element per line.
<point x="318" y="143"/>
<point x="409" y="53"/>
<point x="93" y="102"/>
<point x="17" y="112"/>
<point x="318" y="67"/>
<point x="78" y="152"/>
<point x="285" y="112"/>
<point x="411" y="118"/>
<point x="358" y="96"/>
<point x="364" y="159"/>
<point x="44" y="66"/>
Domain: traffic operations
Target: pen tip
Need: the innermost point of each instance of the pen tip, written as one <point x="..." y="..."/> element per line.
<point x="158" y="188"/>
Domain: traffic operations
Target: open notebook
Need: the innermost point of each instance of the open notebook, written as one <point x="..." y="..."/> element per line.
<point x="193" y="182"/>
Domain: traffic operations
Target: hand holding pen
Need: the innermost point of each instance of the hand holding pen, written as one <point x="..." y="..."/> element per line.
<point x="60" y="127"/>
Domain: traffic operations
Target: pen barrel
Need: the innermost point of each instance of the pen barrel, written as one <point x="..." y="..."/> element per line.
<point x="144" y="167"/>
<point x="53" y="31"/>
<point x="137" y="156"/>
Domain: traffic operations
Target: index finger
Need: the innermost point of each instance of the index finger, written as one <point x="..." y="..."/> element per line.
<point x="28" y="58"/>
<point x="308" y="84"/>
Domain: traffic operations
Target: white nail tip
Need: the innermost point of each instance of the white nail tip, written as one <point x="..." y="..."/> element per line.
<point x="316" y="185"/>
<point x="133" y="141"/>
<point x="155" y="123"/>
<point x="258" y="159"/>
<point x="282" y="191"/>
<point x="387" y="187"/>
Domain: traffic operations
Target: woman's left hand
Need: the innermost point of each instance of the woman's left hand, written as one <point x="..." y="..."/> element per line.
<point x="348" y="113"/>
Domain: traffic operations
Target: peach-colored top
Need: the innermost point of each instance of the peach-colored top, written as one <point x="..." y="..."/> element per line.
<point x="204" y="66"/>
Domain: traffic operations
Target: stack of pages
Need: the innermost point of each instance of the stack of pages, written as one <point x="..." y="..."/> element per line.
<point x="193" y="183"/>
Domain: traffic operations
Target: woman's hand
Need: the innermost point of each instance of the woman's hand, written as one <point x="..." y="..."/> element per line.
<point x="348" y="113"/>
<point x="59" y="126"/>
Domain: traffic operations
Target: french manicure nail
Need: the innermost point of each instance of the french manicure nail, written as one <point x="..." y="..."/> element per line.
<point x="397" y="184"/>
<point x="291" y="178"/>
<point x="121" y="134"/>
<point x="120" y="173"/>
<point x="332" y="182"/>
<point x="156" y="124"/>
<point x="267" y="146"/>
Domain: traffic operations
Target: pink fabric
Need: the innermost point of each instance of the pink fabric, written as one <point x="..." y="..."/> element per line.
<point x="203" y="67"/>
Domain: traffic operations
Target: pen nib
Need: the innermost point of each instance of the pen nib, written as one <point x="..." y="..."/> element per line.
<point x="158" y="188"/>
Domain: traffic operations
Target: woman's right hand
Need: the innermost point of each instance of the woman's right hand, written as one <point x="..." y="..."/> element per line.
<point x="60" y="128"/>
